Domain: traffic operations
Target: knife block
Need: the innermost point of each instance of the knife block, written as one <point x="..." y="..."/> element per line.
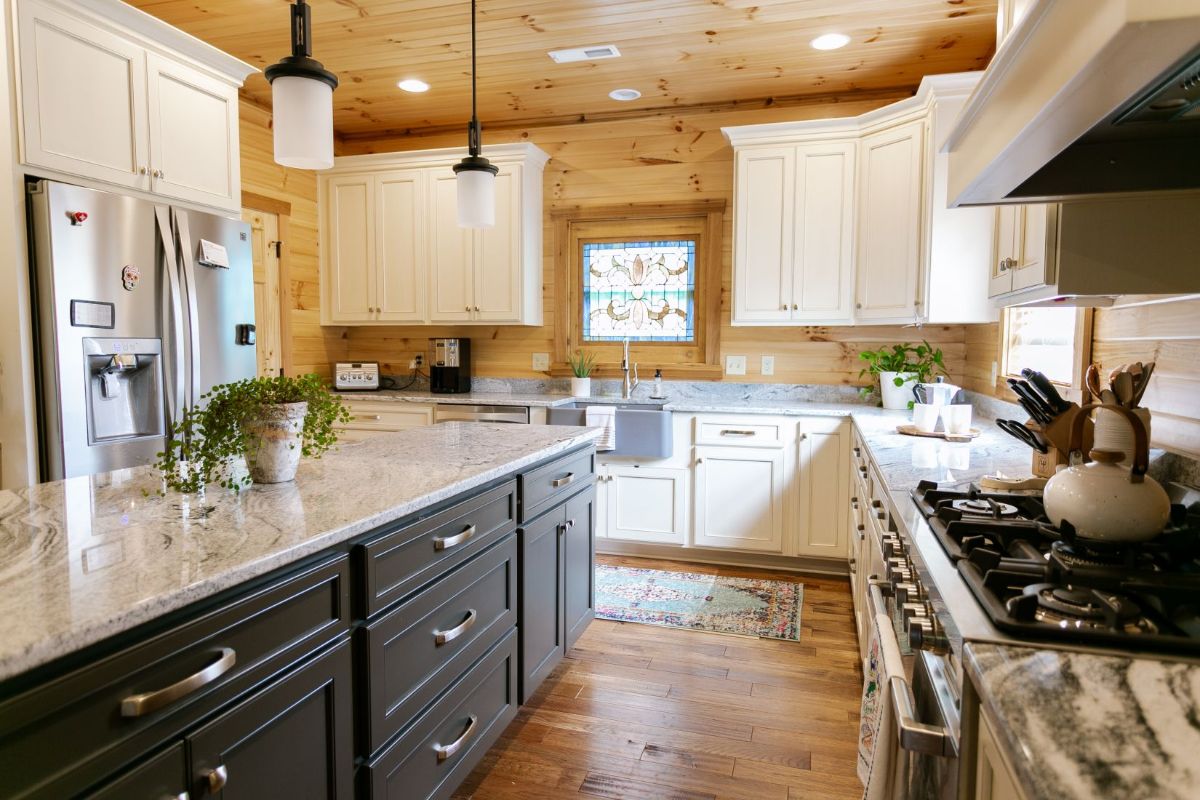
<point x="1058" y="435"/>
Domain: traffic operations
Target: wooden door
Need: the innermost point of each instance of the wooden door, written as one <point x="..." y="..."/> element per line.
<point x="83" y="94"/>
<point x="193" y="134"/>
<point x="450" y="255"/>
<point x="350" y="249"/>
<point x="1033" y="262"/>
<point x="764" y="223"/>
<point x="498" y="265"/>
<point x="890" y="223"/>
<point x="739" y="498"/>
<point x="264" y="246"/>
<point x="400" y="231"/>
<point x="823" y="468"/>
<point x="579" y="566"/>
<point x="823" y="250"/>
<point x="648" y="504"/>
<point x="1004" y="250"/>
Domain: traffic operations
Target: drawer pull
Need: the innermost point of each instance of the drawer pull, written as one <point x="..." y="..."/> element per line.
<point x="216" y="779"/>
<point x="446" y="542"/>
<point x="441" y="637"/>
<point x="445" y="751"/>
<point x="375" y="417"/>
<point x="563" y="481"/>
<point x="728" y="432"/>
<point x="139" y="705"/>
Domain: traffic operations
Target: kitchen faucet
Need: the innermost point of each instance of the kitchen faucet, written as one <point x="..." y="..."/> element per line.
<point x="627" y="387"/>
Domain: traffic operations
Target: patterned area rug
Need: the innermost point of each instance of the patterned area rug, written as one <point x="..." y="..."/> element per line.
<point x="741" y="606"/>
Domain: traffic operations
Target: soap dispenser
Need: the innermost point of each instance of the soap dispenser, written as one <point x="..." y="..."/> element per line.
<point x="657" y="392"/>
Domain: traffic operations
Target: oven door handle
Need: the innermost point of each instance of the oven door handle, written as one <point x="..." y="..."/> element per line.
<point x="914" y="736"/>
<point x="875" y="590"/>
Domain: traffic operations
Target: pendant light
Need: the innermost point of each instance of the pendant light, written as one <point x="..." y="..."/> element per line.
<point x="476" y="176"/>
<point x="302" y="100"/>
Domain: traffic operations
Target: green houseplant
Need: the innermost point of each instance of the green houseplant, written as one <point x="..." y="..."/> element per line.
<point x="582" y="364"/>
<point x="270" y="421"/>
<point x="898" y="368"/>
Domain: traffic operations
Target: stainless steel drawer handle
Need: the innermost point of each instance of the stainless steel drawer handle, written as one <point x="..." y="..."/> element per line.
<point x="375" y="417"/>
<point x="445" y="751"/>
<point x="446" y="542"/>
<point x="728" y="432"/>
<point x="563" y="481"/>
<point x="914" y="736"/>
<point x="441" y="637"/>
<point x="139" y="705"/>
<point x="216" y="779"/>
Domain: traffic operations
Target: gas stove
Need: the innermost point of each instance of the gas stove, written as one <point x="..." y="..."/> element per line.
<point x="1038" y="581"/>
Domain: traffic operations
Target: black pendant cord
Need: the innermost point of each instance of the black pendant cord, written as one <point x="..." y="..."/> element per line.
<point x="474" y="134"/>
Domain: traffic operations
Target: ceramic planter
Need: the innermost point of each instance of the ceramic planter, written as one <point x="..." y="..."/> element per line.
<point x="581" y="387"/>
<point x="273" y="446"/>
<point x="893" y="396"/>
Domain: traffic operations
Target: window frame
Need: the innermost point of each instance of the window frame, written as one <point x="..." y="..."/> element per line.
<point x="1081" y="348"/>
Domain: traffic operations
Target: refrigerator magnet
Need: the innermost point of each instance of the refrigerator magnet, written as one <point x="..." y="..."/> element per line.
<point x="130" y="276"/>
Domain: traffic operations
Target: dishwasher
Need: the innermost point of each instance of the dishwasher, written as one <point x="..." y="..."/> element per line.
<point x="453" y="412"/>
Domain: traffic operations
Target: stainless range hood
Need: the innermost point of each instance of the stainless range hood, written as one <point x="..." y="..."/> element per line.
<point x="1084" y="98"/>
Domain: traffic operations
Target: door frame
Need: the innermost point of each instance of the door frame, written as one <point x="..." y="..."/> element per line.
<point x="283" y="211"/>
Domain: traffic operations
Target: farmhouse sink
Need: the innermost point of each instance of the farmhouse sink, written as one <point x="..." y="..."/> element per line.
<point x="643" y="429"/>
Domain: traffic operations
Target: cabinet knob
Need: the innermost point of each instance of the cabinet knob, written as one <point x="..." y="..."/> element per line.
<point x="141" y="170"/>
<point x="158" y="173"/>
<point x="476" y="309"/>
<point x="858" y="305"/>
<point x="783" y="307"/>
<point x="795" y="307"/>
<point x="467" y="309"/>
<point x="699" y="460"/>
<point x="216" y="779"/>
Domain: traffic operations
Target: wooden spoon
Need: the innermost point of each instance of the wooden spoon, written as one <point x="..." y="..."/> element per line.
<point x="1123" y="388"/>
<point x="1143" y="382"/>
<point x="1092" y="380"/>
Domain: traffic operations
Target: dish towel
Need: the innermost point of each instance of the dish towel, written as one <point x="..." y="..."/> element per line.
<point x="877" y="724"/>
<point x="603" y="417"/>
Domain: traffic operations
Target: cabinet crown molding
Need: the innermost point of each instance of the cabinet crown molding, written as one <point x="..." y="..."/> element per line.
<point x="519" y="153"/>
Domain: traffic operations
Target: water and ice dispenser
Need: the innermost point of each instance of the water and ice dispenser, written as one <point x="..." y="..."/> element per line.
<point x="124" y="379"/>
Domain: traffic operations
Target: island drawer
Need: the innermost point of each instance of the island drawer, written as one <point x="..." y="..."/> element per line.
<point x="548" y="485"/>
<point x="414" y="652"/>
<point x="445" y="743"/>
<point x="119" y="707"/>
<point x="401" y="561"/>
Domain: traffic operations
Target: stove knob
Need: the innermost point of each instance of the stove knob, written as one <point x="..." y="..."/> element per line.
<point x="908" y="592"/>
<point x="918" y="610"/>
<point x="927" y="634"/>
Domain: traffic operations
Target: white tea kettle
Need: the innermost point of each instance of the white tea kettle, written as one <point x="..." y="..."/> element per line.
<point x="1104" y="501"/>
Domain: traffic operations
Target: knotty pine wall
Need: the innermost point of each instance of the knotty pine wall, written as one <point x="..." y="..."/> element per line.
<point x="659" y="158"/>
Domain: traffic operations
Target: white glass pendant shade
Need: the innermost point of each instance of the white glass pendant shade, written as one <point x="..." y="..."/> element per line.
<point x="476" y="198"/>
<point x="303" y="122"/>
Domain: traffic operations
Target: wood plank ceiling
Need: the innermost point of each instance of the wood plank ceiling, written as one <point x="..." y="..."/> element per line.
<point x="678" y="53"/>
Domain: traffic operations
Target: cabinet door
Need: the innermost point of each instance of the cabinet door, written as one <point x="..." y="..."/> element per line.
<point x="1034" y="268"/>
<point x="603" y="476"/>
<point x="763" y="229"/>
<point x="450" y="256"/>
<point x="1004" y="250"/>
<point x="498" y="264"/>
<point x="400" y="232"/>
<point x="992" y="778"/>
<point x="823" y="258"/>
<point x="161" y="776"/>
<point x="83" y="98"/>
<point x="648" y="504"/>
<point x="292" y="739"/>
<point x="350" y="248"/>
<point x="542" y="612"/>
<point x="738" y="500"/>
<point x="889" y="223"/>
<point x="193" y="135"/>
<point x="823" y="471"/>
<point x="579" y="565"/>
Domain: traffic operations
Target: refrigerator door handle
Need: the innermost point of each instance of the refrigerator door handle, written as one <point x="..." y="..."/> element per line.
<point x="172" y="300"/>
<point x="189" y="278"/>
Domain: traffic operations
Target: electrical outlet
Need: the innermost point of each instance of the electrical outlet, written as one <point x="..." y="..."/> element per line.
<point x="735" y="365"/>
<point x="768" y="365"/>
<point x="417" y="361"/>
<point x="541" y="362"/>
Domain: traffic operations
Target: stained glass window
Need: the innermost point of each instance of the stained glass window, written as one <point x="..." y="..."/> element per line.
<point x="642" y="290"/>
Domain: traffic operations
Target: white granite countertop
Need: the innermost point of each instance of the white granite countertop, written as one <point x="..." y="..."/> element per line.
<point x="1084" y="726"/>
<point x="86" y="558"/>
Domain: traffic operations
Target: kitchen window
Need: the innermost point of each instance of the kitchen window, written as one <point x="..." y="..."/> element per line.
<point x="1045" y="339"/>
<point x="644" y="291"/>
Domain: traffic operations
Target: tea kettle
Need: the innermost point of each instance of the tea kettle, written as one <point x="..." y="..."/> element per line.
<point x="1102" y="500"/>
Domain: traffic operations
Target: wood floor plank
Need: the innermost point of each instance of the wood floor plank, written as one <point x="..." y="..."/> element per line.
<point x="620" y="788"/>
<point x="694" y="759"/>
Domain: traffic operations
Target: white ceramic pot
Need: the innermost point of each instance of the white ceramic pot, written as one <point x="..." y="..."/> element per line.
<point x="581" y="387"/>
<point x="273" y="447"/>
<point x="893" y="396"/>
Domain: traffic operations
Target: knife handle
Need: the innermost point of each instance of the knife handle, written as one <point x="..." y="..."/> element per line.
<point x="1047" y="390"/>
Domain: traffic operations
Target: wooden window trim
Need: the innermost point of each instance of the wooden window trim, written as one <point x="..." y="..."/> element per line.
<point x="709" y="216"/>
<point x="1075" y="391"/>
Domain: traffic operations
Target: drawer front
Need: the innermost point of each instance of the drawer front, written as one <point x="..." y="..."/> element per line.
<point x="747" y="433"/>
<point x="385" y="416"/>
<point x="179" y="675"/>
<point x="162" y="776"/>
<point x="422" y="646"/>
<point x="397" y="563"/>
<point x="546" y="486"/>
<point x="441" y="748"/>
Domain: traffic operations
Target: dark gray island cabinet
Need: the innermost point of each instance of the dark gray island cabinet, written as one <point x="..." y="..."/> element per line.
<point x="382" y="668"/>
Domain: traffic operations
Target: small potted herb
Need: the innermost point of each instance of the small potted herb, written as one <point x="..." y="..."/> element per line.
<point x="269" y="421"/>
<point x="899" y="367"/>
<point x="582" y="364"/>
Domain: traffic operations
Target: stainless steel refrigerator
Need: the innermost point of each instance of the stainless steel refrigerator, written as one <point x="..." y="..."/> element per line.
<point x="141" y="309"/>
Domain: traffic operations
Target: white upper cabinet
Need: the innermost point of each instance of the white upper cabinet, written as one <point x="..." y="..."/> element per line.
<point x="427" y="268"/>
<point x="823" y="260"/>
<point x="122" y="99"/>
<point x="1023" y="257"/>
<point x="351" y="244"/>
<point x="764" y="228"/>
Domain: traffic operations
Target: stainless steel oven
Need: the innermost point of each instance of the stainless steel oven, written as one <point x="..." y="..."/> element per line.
<point x="447" y="412"/>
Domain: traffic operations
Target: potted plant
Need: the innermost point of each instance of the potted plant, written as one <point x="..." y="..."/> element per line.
<point x="269" y="421"/>
<point x="581" y="365"/>
<point x="899" y="368"/>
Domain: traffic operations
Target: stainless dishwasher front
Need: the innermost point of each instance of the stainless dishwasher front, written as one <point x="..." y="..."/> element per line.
<point x="453" y="412"/>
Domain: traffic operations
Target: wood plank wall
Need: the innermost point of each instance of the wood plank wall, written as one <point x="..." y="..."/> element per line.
<point x="313" y="348"/>
<point x="658" y="158"/>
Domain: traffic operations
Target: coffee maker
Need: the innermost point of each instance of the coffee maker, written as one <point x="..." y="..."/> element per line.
<point x="450" y="366"/>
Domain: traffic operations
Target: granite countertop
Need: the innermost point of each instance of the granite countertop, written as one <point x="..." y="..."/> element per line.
<point x="1078" y="726"/>
<point x="89" y="557"/>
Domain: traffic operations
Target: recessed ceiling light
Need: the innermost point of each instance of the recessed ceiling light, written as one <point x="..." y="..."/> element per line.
<point x="624" y="95"/>
<point x="830" y="41"/>
<point x="413" y="85"/>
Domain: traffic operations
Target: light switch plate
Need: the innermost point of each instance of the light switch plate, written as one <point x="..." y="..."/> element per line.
<point x="735" y="365"/>
<point x="768" y="365"/>
<point x="541" y="362"/>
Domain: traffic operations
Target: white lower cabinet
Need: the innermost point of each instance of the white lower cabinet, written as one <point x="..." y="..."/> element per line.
<point x="740" y="498"/>
<point x="373" y="417"/>
<point x="823" y="458"/>
<point x="645" y="504"/>
<point x="993" y="781"/>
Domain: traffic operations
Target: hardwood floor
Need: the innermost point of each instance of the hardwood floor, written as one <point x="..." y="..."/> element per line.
<point x="641" y="712"/>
